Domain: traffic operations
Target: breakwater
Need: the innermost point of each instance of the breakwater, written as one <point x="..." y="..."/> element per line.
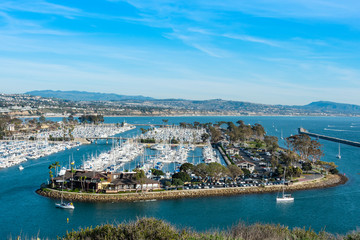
<point x="333" y="139"/>
<point x="329" y="181"/>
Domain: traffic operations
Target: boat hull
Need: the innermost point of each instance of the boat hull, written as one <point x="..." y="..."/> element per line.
<point x="288" y="199"/>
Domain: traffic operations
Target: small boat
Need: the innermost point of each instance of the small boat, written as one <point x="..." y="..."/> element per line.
<point x="339" y="155"/>
<point x="69" y="205"/>
<point x="62" y="204"/>
<point x="21" y="168"/>
<point x="286" y="197"/>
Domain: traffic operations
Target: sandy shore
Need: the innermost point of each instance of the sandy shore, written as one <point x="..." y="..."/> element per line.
<point x="329" y="181"/>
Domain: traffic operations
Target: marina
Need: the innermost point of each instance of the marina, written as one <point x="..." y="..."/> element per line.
<point x="194" y="212"/>
<point x="14" y="152"/>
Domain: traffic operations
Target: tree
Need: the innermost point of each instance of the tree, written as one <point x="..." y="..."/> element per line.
<point x="187" y="167"/>
<point x="165" y="121"/>
<point x="167" y="183"/>
<point x="306" y="166"/>
<point x="42" y="119"/>
<point x="157" y="172"/>
<point x="56" y="165"/>
<point x="279" y="170"/>
<point x="71" y="118"/>
<point x="215" y="133"/>
<point x="201" y="170"/>
<point x="289" y="157"/>
<point x="183" y="176"/>
<point x="258" y="131"/>
<point x="246" y="171"/>
<point x="294" y="171"/>
<point x="234" y="171"/>
<point x="240" y="123"/>
<point x="205" y="137"/>
<point x="140" y="177"/>
<point x="216" y="171"/>
<point x="177" y="182"/>
<point x="91" y="119"/>
<point x="51" y="166"/>
<point x="308" y="149"/>
<point x="271" y="143"/>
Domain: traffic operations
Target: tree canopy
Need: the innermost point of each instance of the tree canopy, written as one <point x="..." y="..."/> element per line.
<point x="308" y="149"/>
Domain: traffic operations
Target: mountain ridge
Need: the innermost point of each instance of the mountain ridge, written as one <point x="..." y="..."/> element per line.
<point x="217" y="105"/>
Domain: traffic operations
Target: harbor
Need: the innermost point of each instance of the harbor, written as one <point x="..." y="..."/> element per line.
<point x="189" y="211"/>
<point x="34" y="146"/>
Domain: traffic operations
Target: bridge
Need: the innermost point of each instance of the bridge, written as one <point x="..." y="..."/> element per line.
<point x="333" y="139"/>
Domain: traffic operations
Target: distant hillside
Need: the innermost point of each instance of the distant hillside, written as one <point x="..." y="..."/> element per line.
<point x="85" y="96"/>
<point x="332" y="107"/>
<point x="211" y="106"/>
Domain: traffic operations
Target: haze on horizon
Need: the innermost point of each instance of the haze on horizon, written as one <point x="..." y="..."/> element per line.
<point x="272" y="52"/>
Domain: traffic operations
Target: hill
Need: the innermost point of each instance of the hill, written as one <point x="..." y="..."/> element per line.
<point x="325" y="106"/>
<point x="85" y="96"/>
<point x="148" y="105"/>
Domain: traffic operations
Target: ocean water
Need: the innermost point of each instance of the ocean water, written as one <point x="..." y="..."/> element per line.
<point x="334" y="209"/>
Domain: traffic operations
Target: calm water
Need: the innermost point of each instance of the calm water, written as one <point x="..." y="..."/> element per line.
<point x="335" y="210"/>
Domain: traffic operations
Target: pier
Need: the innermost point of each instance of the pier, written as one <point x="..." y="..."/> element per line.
<point x="333" y="139"/>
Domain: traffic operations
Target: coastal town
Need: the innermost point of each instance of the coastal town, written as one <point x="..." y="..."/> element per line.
<point x="64" y="104"/>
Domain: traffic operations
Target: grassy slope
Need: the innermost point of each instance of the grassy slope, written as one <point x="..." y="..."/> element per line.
<point x="151" y="228"/>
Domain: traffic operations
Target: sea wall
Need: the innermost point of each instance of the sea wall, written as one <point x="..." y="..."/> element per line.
<point x="329" y="181"/>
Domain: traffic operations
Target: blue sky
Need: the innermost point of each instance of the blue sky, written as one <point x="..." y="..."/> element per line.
<point x="263" y="51"/>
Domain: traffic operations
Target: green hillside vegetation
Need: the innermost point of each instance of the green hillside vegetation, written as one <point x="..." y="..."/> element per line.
<point x="151" y="228"/>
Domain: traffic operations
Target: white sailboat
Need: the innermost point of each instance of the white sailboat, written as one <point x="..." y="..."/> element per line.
<point x="62" y="204"/>
<point x="285" y="197"/>
<point x="339" y="155"/>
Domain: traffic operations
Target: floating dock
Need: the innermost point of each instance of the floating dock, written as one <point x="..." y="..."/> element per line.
<point x="333" y="139"/>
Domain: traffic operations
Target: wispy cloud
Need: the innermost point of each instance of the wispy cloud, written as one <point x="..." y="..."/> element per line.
<point x="252" y="39"/>
<point x="38" y="6"/>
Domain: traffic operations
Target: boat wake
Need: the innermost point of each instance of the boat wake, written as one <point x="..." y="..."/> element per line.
<point x="339" y="130"/>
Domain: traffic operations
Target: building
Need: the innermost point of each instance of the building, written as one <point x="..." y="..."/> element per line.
<point x="247" y="165"/>
<point x="107" y="182"/>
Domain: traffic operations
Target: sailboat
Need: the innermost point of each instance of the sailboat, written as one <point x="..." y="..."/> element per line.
<point x="339" y="155"/>
<point x="285" y="196"/>
<point x="62" y="204"/>
<point x="21" y="168"/>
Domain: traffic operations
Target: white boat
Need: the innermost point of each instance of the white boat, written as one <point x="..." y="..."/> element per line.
<point x="62" y="204"/>
<point x="339" y="155"/>
<point x="21" y="168"/>
<point x="65" y="205"/>
<point x="285" y="197"/>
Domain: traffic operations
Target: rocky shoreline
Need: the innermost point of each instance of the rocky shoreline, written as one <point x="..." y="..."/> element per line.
<point x="329" y="181"/>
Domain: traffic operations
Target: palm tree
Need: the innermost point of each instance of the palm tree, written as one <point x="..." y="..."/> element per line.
<point x="85" y="182"/>
<point x="51" y="166"/>
<point x="56" y="165"/>
<point x="72" y="177"/>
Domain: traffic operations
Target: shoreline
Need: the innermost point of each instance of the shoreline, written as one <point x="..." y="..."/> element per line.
<point x="196" y="115"/>
<point x="329" y="181"/>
